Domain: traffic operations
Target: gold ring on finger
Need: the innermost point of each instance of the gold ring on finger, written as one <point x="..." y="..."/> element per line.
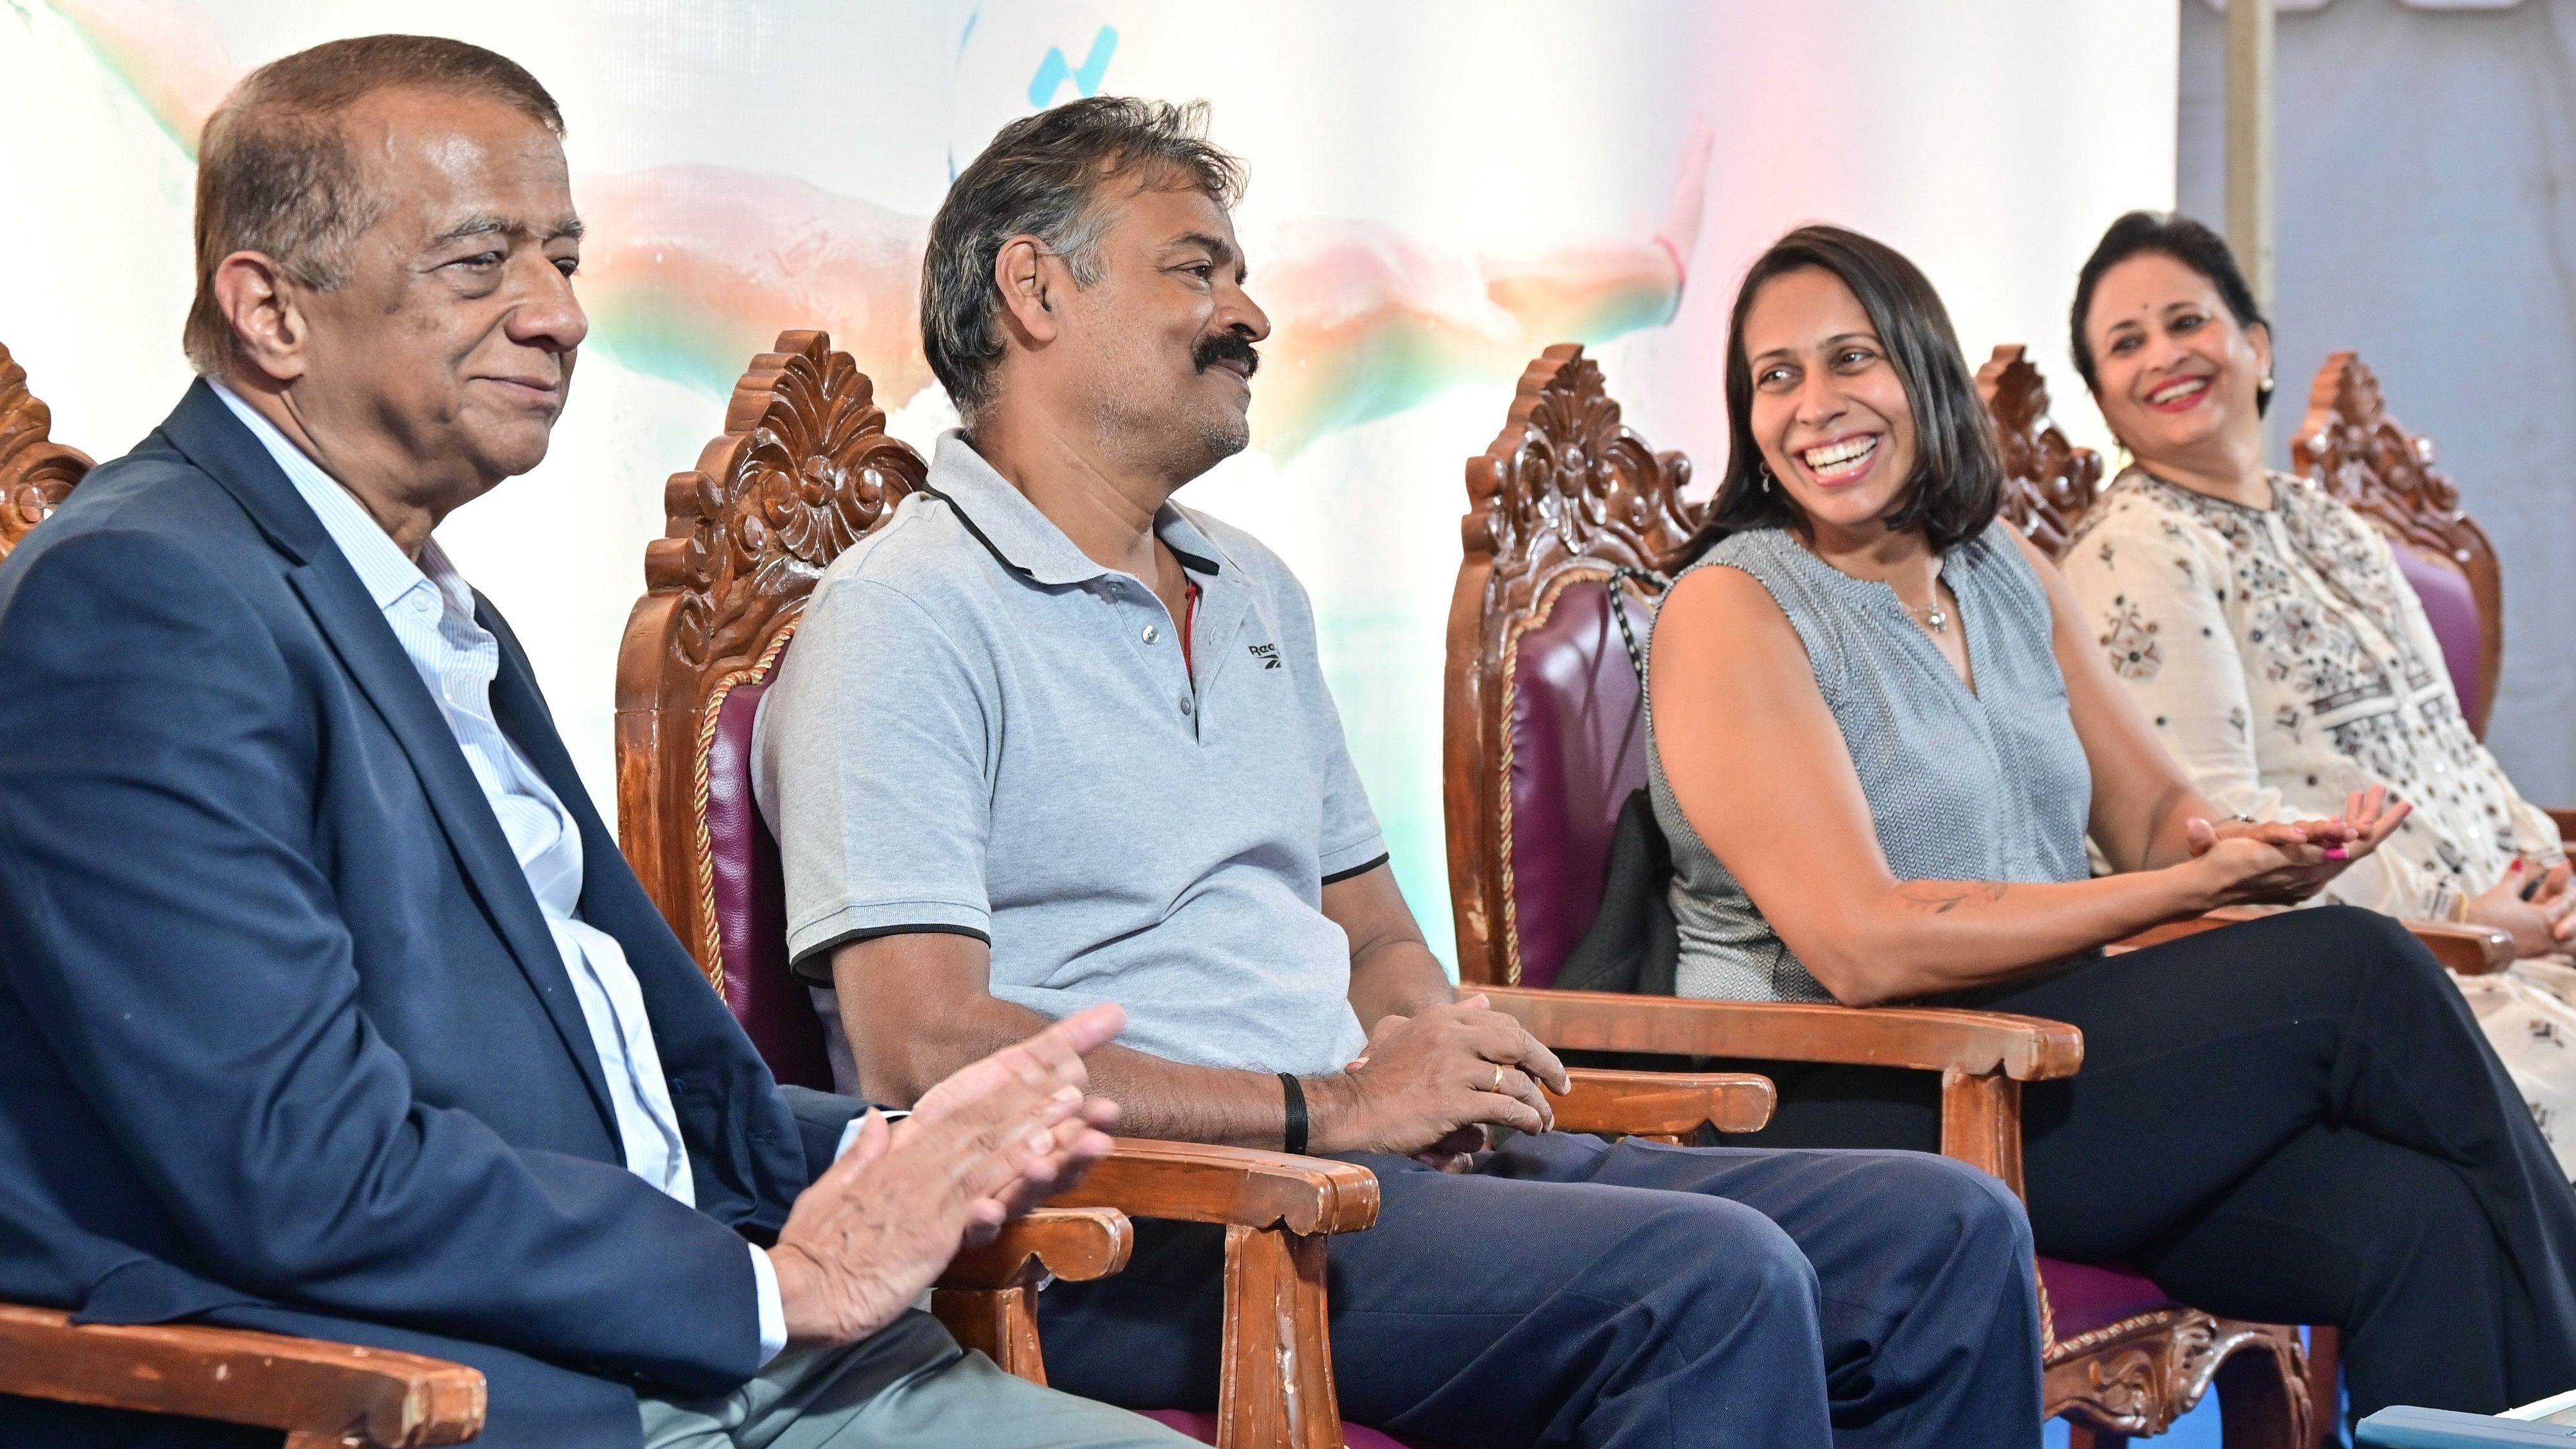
<point x="1498" y="1078"/>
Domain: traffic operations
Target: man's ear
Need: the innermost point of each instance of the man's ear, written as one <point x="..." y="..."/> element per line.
<point x="1023" y="278"/>
<point x="269" y="327"/>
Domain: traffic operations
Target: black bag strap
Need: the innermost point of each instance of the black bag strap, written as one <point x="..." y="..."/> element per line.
<point x="1654" y="582"/>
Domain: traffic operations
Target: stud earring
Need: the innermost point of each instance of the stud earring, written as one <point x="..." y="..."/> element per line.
<point x="2265" y="386"/>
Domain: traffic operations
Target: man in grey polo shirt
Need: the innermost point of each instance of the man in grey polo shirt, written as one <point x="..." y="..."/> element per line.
<point x="1049" y="738"/>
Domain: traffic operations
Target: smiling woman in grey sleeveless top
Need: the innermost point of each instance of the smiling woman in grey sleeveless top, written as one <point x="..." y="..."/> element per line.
<point x="1990" y="785"/>
<point x="1878" y="759"/>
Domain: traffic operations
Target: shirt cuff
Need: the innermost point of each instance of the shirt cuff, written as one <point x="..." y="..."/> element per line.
<point x="764" y="1274"/>
<point x="773" y="1313"/>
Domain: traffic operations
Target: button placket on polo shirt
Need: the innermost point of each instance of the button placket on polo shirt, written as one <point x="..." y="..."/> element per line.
<point x="1149" y="638"/>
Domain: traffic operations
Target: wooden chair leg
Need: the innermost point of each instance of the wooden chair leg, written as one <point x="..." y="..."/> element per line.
<point x="1278" y="1386"/>
<point x="2325" y="1384"/>
<point x="2259" y="1396"/>
<point x="2080" y="1435"/>
<point x="1002" y="1323"/>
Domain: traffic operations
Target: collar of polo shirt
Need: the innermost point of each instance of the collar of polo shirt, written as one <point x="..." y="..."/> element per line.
<point x="1004" y="520"/>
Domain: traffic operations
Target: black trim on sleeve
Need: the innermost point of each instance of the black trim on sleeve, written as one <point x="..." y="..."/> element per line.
<point x="1342" y="875"/>
<point x="814" y="968"/>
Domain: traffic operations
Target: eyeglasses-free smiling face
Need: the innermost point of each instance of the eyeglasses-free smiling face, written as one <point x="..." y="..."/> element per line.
<point x="2174" y="369"/>
<point x="1829" y="411"/>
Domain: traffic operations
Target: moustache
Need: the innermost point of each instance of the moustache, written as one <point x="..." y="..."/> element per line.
<point x="1226" y="346"/>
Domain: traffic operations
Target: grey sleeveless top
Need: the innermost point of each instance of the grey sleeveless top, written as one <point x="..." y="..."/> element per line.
<point x="1989" y="786"/>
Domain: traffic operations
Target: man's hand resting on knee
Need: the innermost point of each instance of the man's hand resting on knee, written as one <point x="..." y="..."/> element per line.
<point x="876" y="1229"/>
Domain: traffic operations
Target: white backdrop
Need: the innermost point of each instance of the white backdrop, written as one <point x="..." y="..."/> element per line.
<point x="1403" y="158"/>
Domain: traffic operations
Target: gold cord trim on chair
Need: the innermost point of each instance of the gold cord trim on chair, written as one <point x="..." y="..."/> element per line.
<point x="1509" y="915"/>
<point x="703" y="849"/>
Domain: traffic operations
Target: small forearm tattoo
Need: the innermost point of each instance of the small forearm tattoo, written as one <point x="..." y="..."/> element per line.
<point x="1941" y="897"/>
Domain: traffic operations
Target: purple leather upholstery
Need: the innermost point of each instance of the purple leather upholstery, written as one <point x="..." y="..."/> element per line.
<point x="751" y="907"/>
<point x="1578" y="751"/>
<point x="2086" y="1296"/>
<point x="2453" y="611"/>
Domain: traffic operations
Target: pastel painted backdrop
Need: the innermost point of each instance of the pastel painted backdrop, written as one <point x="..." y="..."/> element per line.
<point x="1438" y="189"/>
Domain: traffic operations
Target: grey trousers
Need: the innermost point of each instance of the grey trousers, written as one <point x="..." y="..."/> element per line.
<point x="908" y="1386"/>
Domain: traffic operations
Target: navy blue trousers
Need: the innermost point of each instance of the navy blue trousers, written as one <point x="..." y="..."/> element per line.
<point x="1571" y="1292"/>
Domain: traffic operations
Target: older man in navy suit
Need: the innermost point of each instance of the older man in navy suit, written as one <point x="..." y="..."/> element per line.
<point x="327" y="1005"/>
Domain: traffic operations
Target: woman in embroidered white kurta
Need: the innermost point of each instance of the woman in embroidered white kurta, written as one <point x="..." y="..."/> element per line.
<point x="2282" y="656"/>
<point x="2287" y="663"/>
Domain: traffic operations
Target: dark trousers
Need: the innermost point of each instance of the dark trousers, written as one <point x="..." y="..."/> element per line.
<point x="2294" y="1120"/>
<point x="1569" y="1292"/>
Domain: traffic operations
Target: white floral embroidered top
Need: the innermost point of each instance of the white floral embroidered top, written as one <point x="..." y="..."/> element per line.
<point x="2287" y="663"/>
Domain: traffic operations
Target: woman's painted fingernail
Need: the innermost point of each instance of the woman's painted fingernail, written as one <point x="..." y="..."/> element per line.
<point x="2338" y="853"/>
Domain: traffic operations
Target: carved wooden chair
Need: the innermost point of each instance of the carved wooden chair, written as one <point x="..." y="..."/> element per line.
<point x="36" y="473"/>
<point x="320" y="1394"/>
<point x="1544" y="741"/>
<point x="804" y="469"/>
<point x="2350" y="446"/>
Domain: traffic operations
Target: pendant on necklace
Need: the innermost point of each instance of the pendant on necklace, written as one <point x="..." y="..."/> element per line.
<point x="1939" y="621"/>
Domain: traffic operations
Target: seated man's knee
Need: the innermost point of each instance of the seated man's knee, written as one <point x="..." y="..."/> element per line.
<point x="1709" y="1249"/>
<point x="1954" y="1208"/>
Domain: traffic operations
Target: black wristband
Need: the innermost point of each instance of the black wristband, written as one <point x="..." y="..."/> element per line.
<point x="1295" y="1138"/>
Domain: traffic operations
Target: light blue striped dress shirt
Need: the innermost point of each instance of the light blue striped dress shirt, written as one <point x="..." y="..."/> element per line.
<point x="430" y="608"/>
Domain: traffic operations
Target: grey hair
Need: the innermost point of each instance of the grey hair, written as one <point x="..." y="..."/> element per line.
<point x="1041" y="177"/>
<point x="276" y="175"/>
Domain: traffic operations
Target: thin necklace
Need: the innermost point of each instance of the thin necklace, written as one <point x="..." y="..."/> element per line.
<point x="1931" y="614"/>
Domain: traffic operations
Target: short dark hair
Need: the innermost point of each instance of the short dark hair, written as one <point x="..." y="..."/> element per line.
<point x="275" y="172"/>
<point x="2172" y="234"/>
<point x="1958" y="479"/>
<point x="1041" y="176"/>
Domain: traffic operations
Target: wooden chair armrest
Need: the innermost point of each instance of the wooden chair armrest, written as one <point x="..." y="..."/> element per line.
<point x="318" y="1391"/>
<point x="1187" y="1182"/>
<point x="1075" y="1244"/>
<point x="2465" y="949"/>
<point x="2566" y="823"/>
<point x="2468" y="950"/>
<point x="1983" y="1056"/>
<point x="1932" y="1039"/>
<point x="1664" y="1104"/>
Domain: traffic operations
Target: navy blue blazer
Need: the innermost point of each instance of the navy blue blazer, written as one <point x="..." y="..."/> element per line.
<point x="284" y="1040"/>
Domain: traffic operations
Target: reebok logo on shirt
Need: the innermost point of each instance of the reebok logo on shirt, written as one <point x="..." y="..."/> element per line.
<point x="1268" y="654"/>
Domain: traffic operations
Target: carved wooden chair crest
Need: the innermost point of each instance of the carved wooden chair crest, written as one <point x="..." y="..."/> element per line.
<point x="2048" y="481"/>
<point x="803" y="469"/>
<point x="36" y="473"/>
<point x="2350" y="446"/>
<point x="1543" y="720"/>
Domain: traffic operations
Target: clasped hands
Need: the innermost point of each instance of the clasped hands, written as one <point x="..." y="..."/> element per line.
<point x="1431" y="1083"/>
<point x="877" y="1228"/>
<point x="2280" y="862"/>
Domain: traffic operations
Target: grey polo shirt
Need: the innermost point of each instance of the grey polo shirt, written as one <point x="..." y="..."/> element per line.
<point x="980" y="730"/>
